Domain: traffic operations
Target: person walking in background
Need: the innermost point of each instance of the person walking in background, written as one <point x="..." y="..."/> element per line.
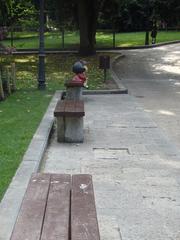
<point x="154" y="33"/>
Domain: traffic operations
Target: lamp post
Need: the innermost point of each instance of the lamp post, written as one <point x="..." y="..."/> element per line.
<point x="147" y="11"/>
<point x="41" y="69"/>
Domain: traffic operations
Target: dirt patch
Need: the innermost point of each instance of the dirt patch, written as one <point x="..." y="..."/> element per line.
<point x="109" y="84"/>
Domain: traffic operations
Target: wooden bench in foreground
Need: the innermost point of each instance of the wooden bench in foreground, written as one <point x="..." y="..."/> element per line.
<point x="69" y="115"/>
<point x="58" y="207"/>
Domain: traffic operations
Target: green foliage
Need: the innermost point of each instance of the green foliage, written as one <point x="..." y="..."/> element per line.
<point x="23" y="13"/>
<point x="5" y="9"/>
<point x="63" y="13"/>
<point x="128" y="15"/>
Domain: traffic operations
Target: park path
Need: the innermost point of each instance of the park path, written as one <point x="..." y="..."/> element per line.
<point x="134" y="165"/>
<point x="153" y="77"/>
<point x="129" y="149"/>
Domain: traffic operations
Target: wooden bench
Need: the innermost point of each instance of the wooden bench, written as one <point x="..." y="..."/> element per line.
<point x="69" y="115"/>
<point x="56" y="206"/>
<point x="74" y="90"/>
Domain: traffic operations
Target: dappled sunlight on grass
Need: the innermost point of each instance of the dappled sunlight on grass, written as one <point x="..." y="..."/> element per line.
<point x="22" y="60"/>
<point x="58" y="70"/>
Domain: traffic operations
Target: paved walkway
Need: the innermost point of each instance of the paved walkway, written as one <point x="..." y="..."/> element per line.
<point x="153" y="77"/>
<point x="135" y="169"/>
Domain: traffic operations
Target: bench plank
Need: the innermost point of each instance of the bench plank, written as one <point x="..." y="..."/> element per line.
<point x="30" y="220"/>
<point x="69" y="108"/>
<point x="59" y="108"/>
<point x="56" y="223"/>
<point x="79" y="106"/>
<point x="84" y="223"/>
<point x="73" y="84"/>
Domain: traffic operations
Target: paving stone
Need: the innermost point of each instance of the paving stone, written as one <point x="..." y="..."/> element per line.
<point x="109" y="228"/>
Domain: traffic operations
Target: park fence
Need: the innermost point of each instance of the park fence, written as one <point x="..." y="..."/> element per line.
<point x="57" y="39"/>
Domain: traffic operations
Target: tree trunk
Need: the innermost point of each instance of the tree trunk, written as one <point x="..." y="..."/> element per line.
<point x="87" y="16"/>
<point x="147" y="38"/>
<point x="147" y="32"/>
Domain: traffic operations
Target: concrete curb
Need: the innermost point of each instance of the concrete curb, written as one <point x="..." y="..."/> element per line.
<point x="114" y="75"/>
<point x="146" y="46"/>
<point x="11" y="202"/>
<point x="111" y="91"/>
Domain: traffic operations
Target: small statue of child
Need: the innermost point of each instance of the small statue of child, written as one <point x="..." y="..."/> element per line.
<point x="79" y="68"/>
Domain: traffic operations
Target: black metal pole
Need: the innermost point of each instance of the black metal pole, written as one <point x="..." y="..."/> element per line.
<point x="114" y="38"/>
<point x="147" y="10"/>
<point x="41" y="74"/>
<point x="12" y="37"/>
<point x="63" y="38"/>
<point x="105" y="74"/>
<point x="147" y="38"/>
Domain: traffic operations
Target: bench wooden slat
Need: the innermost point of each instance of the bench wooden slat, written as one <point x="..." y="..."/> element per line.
<point x="59" y="108"/>
<point x="69" y="108"/>
<point x="30" y="220"/>
<point x="56" y="222"/>
<point x="83" y="212"/>
<point x="73" y="84"/>
<point x="79" y="106"/>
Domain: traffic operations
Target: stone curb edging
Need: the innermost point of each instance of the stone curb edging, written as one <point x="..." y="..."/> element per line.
<point x="102" y="92"/>
<point x="114" y="75"/>
<point x="111" y="91"/>
<point x="11" y="202"/>
<point x="141" y="46"/>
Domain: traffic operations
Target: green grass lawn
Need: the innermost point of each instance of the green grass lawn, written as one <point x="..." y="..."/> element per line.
<point x="22" y="111"/>
<point x="103" y="39"/>
<point x="52" y="40"/>
<point x="20" y="115"/>
<point x="133" y="38"/>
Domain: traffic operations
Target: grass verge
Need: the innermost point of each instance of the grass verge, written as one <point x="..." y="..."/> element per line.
<point x="20" y="115"/>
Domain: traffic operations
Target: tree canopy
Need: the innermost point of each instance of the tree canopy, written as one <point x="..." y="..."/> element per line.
<point x="123" y="15"/>
<point x="87" y="16"/>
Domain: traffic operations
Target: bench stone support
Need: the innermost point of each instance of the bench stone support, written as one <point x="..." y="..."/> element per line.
<point x="74" y="93"/>
<point x="70" y="129"/>
<point x="69" y="115"/>
<point x="60" y="129"/>
<point x="74" y="129"/>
